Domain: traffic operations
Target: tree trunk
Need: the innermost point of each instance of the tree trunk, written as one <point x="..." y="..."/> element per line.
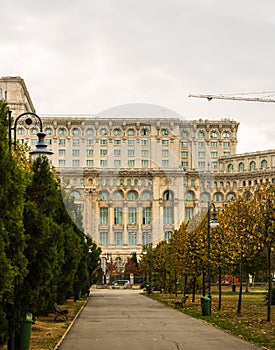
<point x="194" y="289"/>
<point x="176" y="285"/>
<point x="203" y="284"/>
<point x="241" y="289"/>
<point x="269" y="293"/>
<point x="220" y="289"/>
<point x="185" y="285"/>
<point x="247" y="283"/>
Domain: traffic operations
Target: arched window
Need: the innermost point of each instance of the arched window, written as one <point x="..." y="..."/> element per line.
<point x="213" y="135"/>
<point x="103" y="131"/>
<point x="132" y="196"/>
<point x="164" y="132"/>
<point x="130" y="132"/>
<point x="146" y="196"/>
<point x="205" y="197"/>
<point x="263" y="163"/>
<point x="184" y="134"/>
<point x="201" y="134"/>
<point x="252" y="165"/>
<point x="34" y="131"/>
<point x="241" y="166"/>
<point x="218" y="197"/>
<point x="21" y="131"/>
<point x="76" y="132"/>
<point x="75" y="194"/>
<point x="62" y="131"/>
<point x="117" y="132"/>
<point x="190" y="196"/>
<point x="226" y="134"/>
<point x="49" y="131"/>
<point x="90" y="132"/>
<point x="103" y="196"/>
<point x="144" y="132"/>
<point x="118" y="196"/>
<point x="230" y="197"/>
<point x="230" y="168"/>
<point x="168" y="196"/>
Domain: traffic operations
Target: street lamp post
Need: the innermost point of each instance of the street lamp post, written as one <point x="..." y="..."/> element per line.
<point x="211" y="223"/>
<point x="29" y="119"/>
<point x="150" y="265"/>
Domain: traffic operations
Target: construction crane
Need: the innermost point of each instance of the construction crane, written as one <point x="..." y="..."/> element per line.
<point x="236" y="98"/>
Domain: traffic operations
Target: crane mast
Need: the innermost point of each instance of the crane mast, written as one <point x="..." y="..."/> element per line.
<point x="236" y="98"/>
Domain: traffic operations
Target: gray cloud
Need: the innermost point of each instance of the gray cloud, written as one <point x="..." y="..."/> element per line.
<point x="87" y="56"/>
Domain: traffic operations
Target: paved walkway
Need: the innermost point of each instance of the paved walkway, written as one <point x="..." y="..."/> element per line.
<point x="124" y="319"/>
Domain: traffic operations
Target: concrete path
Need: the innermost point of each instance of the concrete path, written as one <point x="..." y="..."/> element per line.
<point x="124" y="319"/>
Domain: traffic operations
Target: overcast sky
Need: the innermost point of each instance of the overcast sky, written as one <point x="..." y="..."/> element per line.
<point x="86" y="56"/>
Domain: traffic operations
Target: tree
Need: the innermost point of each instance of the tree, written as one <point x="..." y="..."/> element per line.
<point x="264" y="213"/>
<point x="12" y="240"/>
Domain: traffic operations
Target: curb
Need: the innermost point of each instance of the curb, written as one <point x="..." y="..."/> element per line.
<point x="70" y="326"/>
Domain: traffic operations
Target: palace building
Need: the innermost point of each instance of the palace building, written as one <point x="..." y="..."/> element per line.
<point x="136" y="180"/>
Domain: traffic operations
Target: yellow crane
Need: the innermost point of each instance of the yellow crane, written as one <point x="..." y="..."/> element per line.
<point x="236" y="98"/>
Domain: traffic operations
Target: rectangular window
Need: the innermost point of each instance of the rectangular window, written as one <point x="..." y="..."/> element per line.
<point x="144" y="163"/>
<point x="75" y="152"/>
<point x="201" y="164"/>
<point x="146" y="216"/>
<point x="184" y="144"/>
<point x="132" y="238"/>
<point x="184" y="164"/>
<point x="103" y="216"/>
<point x="214" y="144"/>
<point x="89" y="152"/>
<point x="201" y="144"/>
<point x="103" y="152"/>
<point x="131" y="152"/>
<point x="131" y="142"/>
<point x="165" y="163"/>
<point x="131" y="162"/>
<point x="62" y="152"/>
<point x="144" y="142"/>
<point x="214" y="164"/>
<point x="75" y="162"/>
<point x="201" y="154"/>
<point x="48" y="141"/>
<point x="117" y="152"/>
<point x="104" y="238"/>
<point x="165" y="142"/>
<point x="118" y="216"/>
<point x="118" y="238"/>
<point x="132" y="216"/>
<point x="62" y="141"/>
<point x="62" y="162"/>
<point x="214" y="154"/>
<point x="168" y="236"/>
<point x="144" y="153"/>
<point x="188" y="213"/>
<point x="226" y="154"/>
<point x="103" y="142"/>
<point x="89" y="142"/>
<point x="146" y="238"/>
<point x="165" y="152"/>
<point x="168" y="216"/>
<point x="76" y="142"/>
<point x="103" y="162"/>
<point x="184" y="154"/>
<point x="117" y="163"/>
<point x="226" y="144"/>
<point x="89" y="162"/>
<point x="117" y="142"/>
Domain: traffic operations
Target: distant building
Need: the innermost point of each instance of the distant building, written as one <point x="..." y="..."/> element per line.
<point x="136" y="180"/>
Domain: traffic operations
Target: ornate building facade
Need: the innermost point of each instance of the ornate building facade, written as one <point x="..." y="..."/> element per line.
<point x="136" y="180"/>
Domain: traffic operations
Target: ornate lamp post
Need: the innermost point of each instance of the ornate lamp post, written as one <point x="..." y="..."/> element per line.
<point x="212" y="223"/>
<point x="28" y="118"/>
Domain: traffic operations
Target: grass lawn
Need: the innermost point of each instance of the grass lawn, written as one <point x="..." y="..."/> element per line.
<point x="46" y="332"/>
<point x="250" y="325"/>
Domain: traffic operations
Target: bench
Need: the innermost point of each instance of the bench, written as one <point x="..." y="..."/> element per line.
<point x="182" y="302"/>
<point x="60" y="313"/>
